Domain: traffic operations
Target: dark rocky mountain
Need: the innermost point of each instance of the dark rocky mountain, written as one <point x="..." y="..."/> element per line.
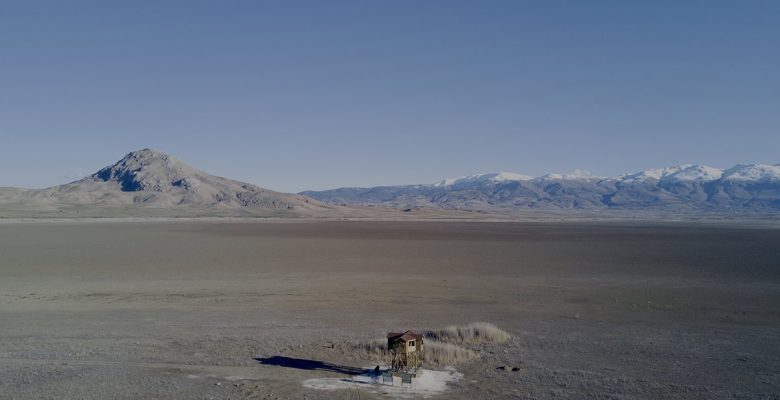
<point x="149" y="182"/>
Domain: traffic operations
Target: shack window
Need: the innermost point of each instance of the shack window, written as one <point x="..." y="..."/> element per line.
<point x="411" y="343"/>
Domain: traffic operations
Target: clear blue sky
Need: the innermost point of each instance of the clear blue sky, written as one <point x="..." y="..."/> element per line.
<point x="311" y="95"/>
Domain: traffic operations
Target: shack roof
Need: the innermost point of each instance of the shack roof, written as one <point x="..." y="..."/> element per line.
<point x="408" y="335"/>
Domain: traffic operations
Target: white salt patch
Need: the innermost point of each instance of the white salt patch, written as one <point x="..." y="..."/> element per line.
<point x="428" y="383"/>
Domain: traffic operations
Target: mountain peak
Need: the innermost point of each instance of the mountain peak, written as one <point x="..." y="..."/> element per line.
<point x="148" y="169"/>
<point x="145" y="152"/>
<point x="146" y="156"/>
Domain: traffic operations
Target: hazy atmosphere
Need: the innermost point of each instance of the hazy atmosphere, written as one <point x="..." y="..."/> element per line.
<point x="316" y="95"/>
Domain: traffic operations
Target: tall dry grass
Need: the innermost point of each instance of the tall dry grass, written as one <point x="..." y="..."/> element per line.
<point x="473" y="333"/>
<point x="442" y="347"/>
<point x="446" y="353"/>
<point x="433" y="352"/>
<point x="375" y="349"/>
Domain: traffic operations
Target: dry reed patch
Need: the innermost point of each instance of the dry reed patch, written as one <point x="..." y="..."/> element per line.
<point x="433" y="352"/>
<point x="473" y="333"/>
<point x="442" y="346"/>
<point x="446" y="353"/>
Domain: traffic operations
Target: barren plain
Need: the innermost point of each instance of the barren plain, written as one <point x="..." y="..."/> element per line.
<point x="247" y="309"/>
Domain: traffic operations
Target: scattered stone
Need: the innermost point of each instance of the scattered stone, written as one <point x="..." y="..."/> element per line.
<point x="515" y="369"/>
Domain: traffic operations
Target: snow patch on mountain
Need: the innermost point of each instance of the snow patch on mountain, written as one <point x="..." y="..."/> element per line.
<point x="677" y="173"/>
<point x="646" y="175"/>
<point x="701" y="173"/>
<point x="758" y="173"/>
<point x="490" y="178"/>
<point x="510" y="176"/>
<point x="576" y="175"/>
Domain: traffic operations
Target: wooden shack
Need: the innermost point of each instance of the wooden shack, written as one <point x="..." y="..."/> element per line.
<point x="406" y="350"/>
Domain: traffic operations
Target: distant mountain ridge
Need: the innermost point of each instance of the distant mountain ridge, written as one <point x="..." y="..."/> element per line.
<point x="742" y="188"/>
<point x="150" y="183"/>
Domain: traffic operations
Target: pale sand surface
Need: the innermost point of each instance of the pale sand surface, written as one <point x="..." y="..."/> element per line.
<point x="184" y="309"/>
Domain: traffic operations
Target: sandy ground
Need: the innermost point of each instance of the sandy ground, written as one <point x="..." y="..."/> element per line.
<point x="228" y="310"/>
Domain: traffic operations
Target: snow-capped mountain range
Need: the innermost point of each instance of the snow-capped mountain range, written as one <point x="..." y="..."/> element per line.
<point x="752" y="187"/>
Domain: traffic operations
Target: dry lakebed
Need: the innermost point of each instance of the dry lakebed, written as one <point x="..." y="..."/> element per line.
<point x="259" y="309"/>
